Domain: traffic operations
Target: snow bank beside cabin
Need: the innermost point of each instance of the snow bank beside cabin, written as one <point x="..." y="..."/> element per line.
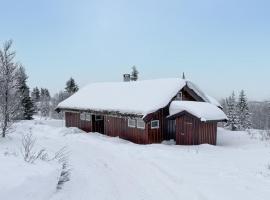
<point x="24" y="181"/>
<point x="106" y="168"/>
<point x="203" y="111"/>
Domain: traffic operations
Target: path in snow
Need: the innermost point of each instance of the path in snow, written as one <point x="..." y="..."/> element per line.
<point x="111" y="168"/>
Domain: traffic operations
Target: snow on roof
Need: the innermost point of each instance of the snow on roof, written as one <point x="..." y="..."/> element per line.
<point x="213" y="101"/>
<point x="202" y="110"/>
<point x="204" y="96"/>
<point x="138" y="97"/>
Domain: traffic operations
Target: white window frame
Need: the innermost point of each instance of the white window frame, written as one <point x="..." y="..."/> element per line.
<point x="154" y="127"/>
<point x="131" y="122"/>
<point x="98" y="118"/>
<point x="139" y="122"/>
<point x="179" y="96"/>
<point x="82" y="116"/>
<point x="88" y="117"/>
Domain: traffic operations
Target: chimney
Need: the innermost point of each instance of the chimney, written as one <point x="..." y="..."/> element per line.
<point x="183" y="76"/>
<point x="126" y="77"/>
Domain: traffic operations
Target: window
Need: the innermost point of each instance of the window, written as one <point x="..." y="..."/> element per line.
<point x="98" y="118"/>
<point x="179" y="96"/>
<point x="85" y="116"/>
<point x="154" y="124"/>
<point x="140" y="124"/>
<point x="82" y="116"/>
<point x="132" y="123"/>
<point x="88" y="117"/>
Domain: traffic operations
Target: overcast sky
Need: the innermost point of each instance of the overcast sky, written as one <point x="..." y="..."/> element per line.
<point x="222" y="45"/>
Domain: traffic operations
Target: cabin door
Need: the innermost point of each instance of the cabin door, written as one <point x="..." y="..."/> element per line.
<point x="170" y="133"/>
<point x="184" y="130"/>
<point x="98" y="123"/>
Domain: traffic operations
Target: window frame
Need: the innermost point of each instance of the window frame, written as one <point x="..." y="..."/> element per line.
<point x="90" y="117"/>
<point x="97" y="118"/>
<point x="82" y="116"/>
<point x="129" y="124"/>
<point x="155" y="127"/>
<point x="179" y="96"/>
<point x="139" y="120"/>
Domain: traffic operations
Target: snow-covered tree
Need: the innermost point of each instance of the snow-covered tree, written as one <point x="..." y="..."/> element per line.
<point x="57" y="98"/>
<point x="260" y="114"/>
<point x="243" y="111"/>
<point x="224" y="104"/>
<point x="26" y="109"/>
<point x="9" y="102"/>
<point x="71" y="86"/>
<point x="35" y="95"/>
<point x="44" y="104"/>
<point x="134" y="74"/>
<point x="232" y="114"/>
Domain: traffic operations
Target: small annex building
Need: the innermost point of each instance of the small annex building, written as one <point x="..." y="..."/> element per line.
<point x="146" y="112"/>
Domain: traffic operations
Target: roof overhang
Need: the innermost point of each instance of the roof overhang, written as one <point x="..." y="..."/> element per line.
<point x="101" y="112"/>
<point x="182" y="113"/>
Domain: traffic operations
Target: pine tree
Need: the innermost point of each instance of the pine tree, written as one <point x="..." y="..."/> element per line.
<point x="35" y="95"/>
<point x="233" y="119"/>
<point x="71" y="86"/>
<point x="243" y="111"/>
<point x="134" y="74"/>
<point x="44" y="104"/>
<point x="224" y="104"/>
<point x="26" y="104"/>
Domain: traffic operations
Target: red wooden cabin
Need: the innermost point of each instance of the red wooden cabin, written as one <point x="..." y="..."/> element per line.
<point x="141" y="111"/>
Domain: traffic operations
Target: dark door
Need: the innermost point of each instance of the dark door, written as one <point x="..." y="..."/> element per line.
<point x="98" y="123"/>
<point x="184" y="131"/>
<point x="171" y="130"/>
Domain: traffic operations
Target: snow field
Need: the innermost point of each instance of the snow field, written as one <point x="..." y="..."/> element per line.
<point x="111" y="168"/>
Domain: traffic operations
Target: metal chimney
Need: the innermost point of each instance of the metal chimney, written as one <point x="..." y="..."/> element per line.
<point x="126" y="77"/>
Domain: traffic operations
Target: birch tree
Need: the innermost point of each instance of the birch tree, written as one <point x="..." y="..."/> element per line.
<point x="9" y="103"/>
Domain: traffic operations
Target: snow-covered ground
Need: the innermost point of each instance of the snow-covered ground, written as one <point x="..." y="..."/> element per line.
<point x="105" y="168"/>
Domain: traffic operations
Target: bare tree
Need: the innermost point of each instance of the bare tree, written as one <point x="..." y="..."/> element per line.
<point x="8" y="87"/>
<point x="28" y="151"/>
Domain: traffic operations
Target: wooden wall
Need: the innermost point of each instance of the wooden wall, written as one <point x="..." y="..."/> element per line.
<point x="208" y="133"/>
<point x="73" y="120"/>
<point x="157" y="135"/>
<point x="195" y="132"/>
<point x="191" y="131"/>
<point x="114" y="127"/>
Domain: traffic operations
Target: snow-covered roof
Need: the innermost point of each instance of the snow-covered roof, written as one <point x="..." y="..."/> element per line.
<point x="202" y="110"/>
<point x="204" y="96"/>
<point x="137" y="97"/>
<point x="212" y="100"/>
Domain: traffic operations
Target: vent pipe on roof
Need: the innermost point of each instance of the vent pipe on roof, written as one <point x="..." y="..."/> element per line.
<point x="126" y="77"/>
<point x="183" y="76"/>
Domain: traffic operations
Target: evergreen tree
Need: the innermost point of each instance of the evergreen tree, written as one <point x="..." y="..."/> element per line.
<point x="134" y="74"/>
<point x="243" y="111"/>
<point x="26" y="104"/>
<point x="224" y="104"/>
<point x="35" y="95"/>
<point x="232" y="114"/>
<point x="44" y="104"/>
<point x="71" y="86"/>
